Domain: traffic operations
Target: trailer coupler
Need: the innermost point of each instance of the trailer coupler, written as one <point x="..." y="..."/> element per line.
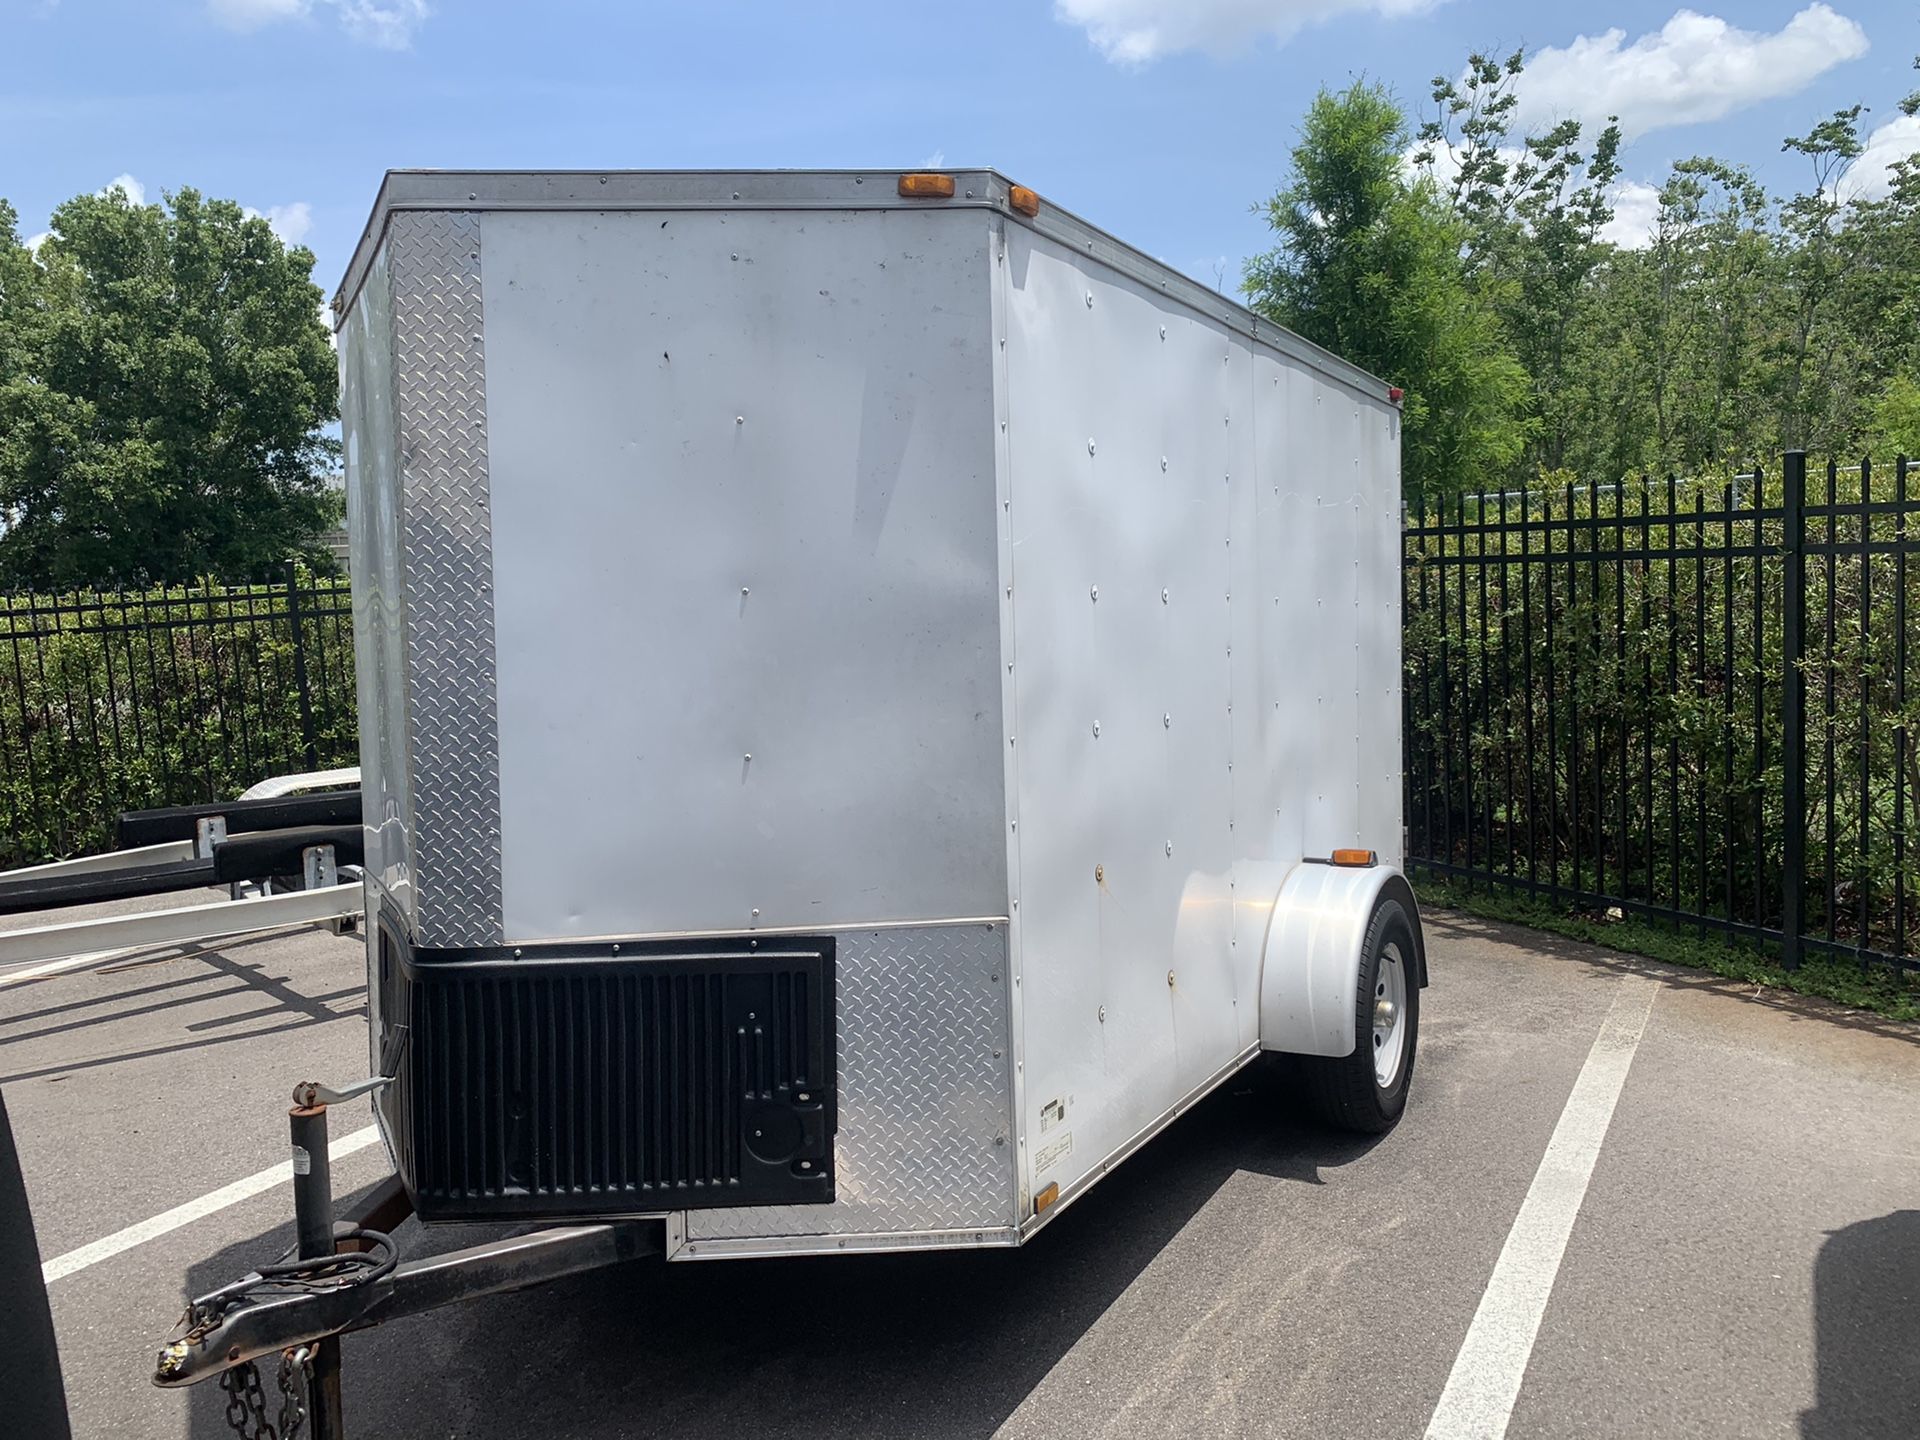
<point x="269" y="1324"/>
<point x="349" y="1277"/>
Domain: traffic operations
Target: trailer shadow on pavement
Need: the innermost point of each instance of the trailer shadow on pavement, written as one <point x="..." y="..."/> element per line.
<point x="944" y="1344"/>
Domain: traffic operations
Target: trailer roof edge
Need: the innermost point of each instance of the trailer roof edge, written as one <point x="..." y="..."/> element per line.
<point x="455" y="190"/>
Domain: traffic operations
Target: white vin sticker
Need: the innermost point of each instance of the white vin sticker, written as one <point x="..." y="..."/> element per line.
<point x="1051" y="1155"/>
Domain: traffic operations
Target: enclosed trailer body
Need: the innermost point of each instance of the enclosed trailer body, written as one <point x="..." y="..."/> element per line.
<point x="850" y="683"/>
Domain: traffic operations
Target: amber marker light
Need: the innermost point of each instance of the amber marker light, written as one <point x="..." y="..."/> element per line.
<point x="927" y="187"/>
<point x="1024" y="200"/>
<point x="1046" y="1198"/>
<point x="1359" y="859"/>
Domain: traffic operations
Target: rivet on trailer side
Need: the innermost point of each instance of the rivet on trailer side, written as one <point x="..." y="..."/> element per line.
<point x="713" y="909"/>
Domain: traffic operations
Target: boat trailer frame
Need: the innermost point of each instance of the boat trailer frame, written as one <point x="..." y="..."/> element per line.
<point x="287" y="858"/>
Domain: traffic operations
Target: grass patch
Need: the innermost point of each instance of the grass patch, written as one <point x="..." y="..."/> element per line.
<point x="1885" y="989"/>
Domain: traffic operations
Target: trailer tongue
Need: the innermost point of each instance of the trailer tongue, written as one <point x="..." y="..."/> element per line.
<point x="347" y="1275"/>
<point x="875" y="698"/>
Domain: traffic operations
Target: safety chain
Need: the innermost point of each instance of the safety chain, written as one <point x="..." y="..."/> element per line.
<point x="319" y="1275"/>
<point x="247" y="1402"/>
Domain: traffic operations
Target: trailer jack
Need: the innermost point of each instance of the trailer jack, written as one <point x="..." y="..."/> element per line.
<point x="347" y="1276"/>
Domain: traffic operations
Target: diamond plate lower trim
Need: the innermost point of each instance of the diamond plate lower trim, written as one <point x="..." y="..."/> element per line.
<point x="454" y="736"/>
<point x="925" y="1078"/>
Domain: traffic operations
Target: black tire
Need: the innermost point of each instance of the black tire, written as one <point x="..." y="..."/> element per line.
<point x="1345" y="1090"/>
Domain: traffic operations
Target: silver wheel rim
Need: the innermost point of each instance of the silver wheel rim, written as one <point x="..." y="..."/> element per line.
<point x="1389" y="1016"/>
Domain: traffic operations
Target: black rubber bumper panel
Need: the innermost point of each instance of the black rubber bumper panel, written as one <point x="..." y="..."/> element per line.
<point x="553" y="1081"/>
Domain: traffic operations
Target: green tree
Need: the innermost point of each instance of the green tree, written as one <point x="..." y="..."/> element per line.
<point x="1534" y="208"/>
<point x="1882" y="296"/>
<point x="1702" y="304"/>
<point x="165" y="384"/>
<point x="1370" y="265"/>
<point x="1822" y="358"/>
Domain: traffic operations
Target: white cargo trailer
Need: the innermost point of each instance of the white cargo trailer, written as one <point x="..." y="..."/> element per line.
<point x="875" y="697"/>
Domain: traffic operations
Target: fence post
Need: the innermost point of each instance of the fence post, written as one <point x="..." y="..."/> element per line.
<point x="307" y="738"/>
<point x="1793" y="699"/>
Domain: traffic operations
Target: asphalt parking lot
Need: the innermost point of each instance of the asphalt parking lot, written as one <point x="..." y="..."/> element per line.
<point x="1745" y="1260"/>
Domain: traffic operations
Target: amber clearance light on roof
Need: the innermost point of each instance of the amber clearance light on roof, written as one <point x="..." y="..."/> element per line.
<point x="927" y="187"/>
<point x="1024" y="200"/>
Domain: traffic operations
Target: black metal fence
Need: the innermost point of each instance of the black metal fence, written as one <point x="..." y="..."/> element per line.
<point x="1689" y="703"/>
<point x="123" y="701"/>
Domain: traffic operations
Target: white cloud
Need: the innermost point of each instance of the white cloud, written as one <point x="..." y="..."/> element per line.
<point x="1694" y="68"/>
<point x="1871" y="176"/>
<point x="1636" y="211"/>
<point x="34" y="242"/>
<point x="290" y="222"/>
<point x="388" y="24"/>
<point x="252" y="14"/>
<point x="1137" y="32"/>
<point x="935" y="160"/>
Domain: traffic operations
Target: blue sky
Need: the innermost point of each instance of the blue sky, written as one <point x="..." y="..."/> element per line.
<point x="1161" y="120"/>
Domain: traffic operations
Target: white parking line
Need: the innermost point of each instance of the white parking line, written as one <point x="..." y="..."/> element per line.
<point x="120" y="1241"/>
<point x="1485" y="1380"/>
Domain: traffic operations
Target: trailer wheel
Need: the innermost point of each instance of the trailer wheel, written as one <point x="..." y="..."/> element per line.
<point x="1367" y="1090"/>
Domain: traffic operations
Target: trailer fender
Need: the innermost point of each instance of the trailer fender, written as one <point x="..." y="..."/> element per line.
<point x="1311" y="961"/>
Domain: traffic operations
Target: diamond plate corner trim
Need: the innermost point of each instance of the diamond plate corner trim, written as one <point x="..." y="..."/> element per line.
<point x="926" y="1100"/>
<point x="454" y="736"/>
